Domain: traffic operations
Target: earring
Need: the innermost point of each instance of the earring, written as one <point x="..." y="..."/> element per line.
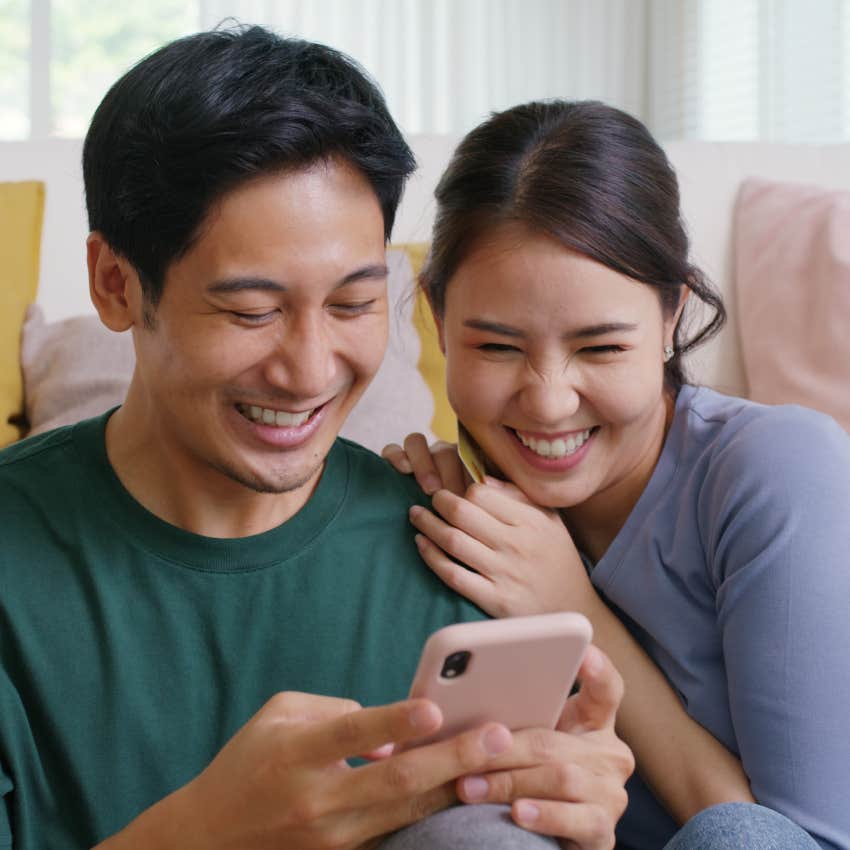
<point x="668" y="352"/>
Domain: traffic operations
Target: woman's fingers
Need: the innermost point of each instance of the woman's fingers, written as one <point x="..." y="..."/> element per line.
<point x="466" y="582"/>
<point x="450" y="467"/>
<point x="462" y="530"/>
<point x="422" y="461"/>
<point x="434" y="467"/>
<point x="396" y="455"/>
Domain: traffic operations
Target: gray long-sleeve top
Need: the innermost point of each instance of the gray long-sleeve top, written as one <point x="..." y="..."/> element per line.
<point x="733" y="571"/>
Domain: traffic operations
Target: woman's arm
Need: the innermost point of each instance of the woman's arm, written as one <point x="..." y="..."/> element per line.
<point x="524" y="561"/>
<point x="775" y="509"/>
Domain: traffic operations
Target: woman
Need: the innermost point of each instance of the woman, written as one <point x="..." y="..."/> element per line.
<point x="705" y="531"/>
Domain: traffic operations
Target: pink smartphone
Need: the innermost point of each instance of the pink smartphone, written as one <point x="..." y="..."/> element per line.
<point x="517" y="671"/>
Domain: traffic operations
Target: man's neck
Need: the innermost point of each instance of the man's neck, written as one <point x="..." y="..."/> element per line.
<point x="191" y="496"/>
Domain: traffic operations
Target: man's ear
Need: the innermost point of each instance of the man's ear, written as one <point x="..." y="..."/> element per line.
<point x="114" y="285"/>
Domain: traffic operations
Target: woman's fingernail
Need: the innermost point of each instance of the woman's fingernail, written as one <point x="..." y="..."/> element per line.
<point x="475" y="788"/>
<point x="526" y="812"/>
<point x="414" y="511"/>
<point x="404" y="465"/>
<point x="430" y="484"/>
<point x="419" y="540"/>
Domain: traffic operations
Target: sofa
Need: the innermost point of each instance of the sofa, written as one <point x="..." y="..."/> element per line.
<point x="769" y="223"/>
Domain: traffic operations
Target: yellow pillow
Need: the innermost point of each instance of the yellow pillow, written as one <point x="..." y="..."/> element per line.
<point x="432" y="363"/>
<point x="21" y="210"/>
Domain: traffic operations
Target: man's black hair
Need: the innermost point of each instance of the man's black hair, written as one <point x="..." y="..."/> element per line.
<point x="205" y="113"/>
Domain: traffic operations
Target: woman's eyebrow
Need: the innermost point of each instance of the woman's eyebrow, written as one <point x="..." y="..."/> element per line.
<point x="580" y="333"/>
<point x="601" y="330"/>
<point x="492" y="327"/>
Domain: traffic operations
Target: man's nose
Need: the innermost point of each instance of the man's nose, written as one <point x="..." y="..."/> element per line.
<point x="303" y="364"/>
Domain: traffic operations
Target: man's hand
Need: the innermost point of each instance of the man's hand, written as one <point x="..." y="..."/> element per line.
<point x="282" y="780"/>
<point x="569" y="782"/>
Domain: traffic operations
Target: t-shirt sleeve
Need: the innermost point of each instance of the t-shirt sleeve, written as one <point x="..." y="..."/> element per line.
<point x="6" y="787"/>
<point x="777" y="521"/>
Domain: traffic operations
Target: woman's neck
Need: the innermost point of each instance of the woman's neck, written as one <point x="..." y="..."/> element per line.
<point x="595" y="522"/>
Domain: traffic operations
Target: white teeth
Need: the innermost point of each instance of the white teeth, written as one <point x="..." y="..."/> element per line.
<point x="279" y="418"/>
<point x="555" y="448"/>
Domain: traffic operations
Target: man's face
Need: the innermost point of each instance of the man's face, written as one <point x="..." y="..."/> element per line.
<point x="268" y="330"/>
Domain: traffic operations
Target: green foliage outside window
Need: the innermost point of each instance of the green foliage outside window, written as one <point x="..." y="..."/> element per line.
<point x="95" y="41"/>
<point x="14" y="69"/>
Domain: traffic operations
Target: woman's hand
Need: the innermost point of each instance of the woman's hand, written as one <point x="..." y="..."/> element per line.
<point x="522" y="558"/>
<point x="573" y="784"/>
<point x="435" y="467"/>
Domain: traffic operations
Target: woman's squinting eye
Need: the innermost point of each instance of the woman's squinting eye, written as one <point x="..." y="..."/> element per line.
<point x="497" y="347"/>
<point x="603" y="349"/>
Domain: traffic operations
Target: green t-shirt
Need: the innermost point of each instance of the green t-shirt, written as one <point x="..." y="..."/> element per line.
<point x="131" y="650"/>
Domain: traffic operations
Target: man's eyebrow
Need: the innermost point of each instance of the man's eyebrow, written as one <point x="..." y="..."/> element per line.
<point x="262" y="284"/>
<point x="373" y="271"/>
<point x="579" y="333"/>
<point x="239" y="284"/>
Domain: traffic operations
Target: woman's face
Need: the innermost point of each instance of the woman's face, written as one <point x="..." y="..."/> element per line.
<point x="555" y="366"/>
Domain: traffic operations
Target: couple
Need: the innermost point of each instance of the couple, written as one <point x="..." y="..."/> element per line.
<point x="210" y="603"/>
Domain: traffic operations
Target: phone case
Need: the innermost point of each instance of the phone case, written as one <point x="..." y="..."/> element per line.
<point x="471" y="456"/>
<point x="519" y="670"/>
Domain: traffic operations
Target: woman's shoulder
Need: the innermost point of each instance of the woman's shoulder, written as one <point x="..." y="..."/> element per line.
<point x="737" y="425"/>
<point x="743" y="445"/>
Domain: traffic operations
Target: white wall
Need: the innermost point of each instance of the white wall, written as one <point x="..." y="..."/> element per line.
<point x="63" y="286"/>
<point x="709" y="175"/>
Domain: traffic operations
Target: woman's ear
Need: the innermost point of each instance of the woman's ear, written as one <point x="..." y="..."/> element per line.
<point x="114" y="285"/>
<point x="672" y="321"/>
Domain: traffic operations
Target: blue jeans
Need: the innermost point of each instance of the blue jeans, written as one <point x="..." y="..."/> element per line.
<point x="741" y="826"/>
<point x="728" y="826"/>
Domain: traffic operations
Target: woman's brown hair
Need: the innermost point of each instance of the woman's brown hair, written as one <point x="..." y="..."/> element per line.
<point x="586" y="174"/>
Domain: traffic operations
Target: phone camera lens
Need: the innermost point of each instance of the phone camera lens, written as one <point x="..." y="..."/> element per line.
<point x="455" y="664"/>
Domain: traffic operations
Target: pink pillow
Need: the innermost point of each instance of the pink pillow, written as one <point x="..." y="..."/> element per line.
<point x="792" y="271"/>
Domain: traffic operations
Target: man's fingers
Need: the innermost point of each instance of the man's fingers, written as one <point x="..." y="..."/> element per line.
<point x="419" y="771"/>
<point x="587" y="825"/>
<point x="363" y="731"/>
<point x="361" y="825"/>
<point x="561" y="799"/>
<point x="561" y="780"/>
<point x="297" y="707"/>
<point x="595" y="705"/>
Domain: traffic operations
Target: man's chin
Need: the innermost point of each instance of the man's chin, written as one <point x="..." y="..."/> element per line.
<point x="270" y="482"/>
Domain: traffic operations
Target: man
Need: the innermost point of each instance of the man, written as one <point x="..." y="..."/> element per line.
<point x="201" y="589"/>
